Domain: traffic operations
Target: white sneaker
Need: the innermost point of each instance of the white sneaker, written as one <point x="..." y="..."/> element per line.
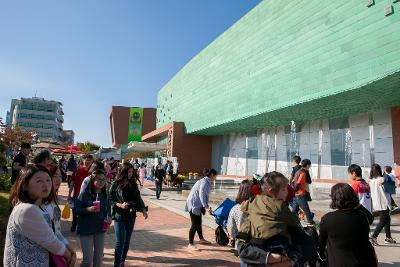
<point x="192" y="247"/>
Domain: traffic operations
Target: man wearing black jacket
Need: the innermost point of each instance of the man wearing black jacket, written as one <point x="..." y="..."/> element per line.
<point x="159" y="178"/>
<point x="20" y="160"/>
<point x="295" y="167"/>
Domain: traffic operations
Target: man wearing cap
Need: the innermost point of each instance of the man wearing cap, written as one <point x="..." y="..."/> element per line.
<point x="20" y="160"/>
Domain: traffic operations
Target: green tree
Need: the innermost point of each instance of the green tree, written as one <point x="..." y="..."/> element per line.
<point x="13" y="137"/>
<point x="87" y="146"/>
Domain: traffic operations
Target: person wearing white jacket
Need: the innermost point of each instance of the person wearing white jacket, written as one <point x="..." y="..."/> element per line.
<point x="380" y="204"/>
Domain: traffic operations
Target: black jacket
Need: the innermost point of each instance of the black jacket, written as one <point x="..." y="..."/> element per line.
<point x="294" y="170"/>
<point x="131" y="194"/>
<point x="347" y="245"/>
<point x="160" y="175"/>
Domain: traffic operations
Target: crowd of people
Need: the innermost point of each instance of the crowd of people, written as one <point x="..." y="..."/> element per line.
<point x="34" y="236"/>
<point x="264" y="226"/>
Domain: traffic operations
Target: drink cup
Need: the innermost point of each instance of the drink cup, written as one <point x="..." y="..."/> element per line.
<point x="97" y="205"/>
<point x="106" y="225"/>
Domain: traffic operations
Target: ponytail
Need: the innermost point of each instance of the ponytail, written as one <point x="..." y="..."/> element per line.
<point x="209" y="172"/>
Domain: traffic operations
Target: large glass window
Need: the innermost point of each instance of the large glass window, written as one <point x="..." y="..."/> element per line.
<point x="340" y="138"/>
<point x="292" y="135"/>
<point x="331" y="145"/>
<point x="340" y="147"/>
<point x="251" y="153"/>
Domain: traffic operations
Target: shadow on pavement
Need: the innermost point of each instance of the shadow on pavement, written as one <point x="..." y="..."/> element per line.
<point x="147" y="240"/>
<point x="184" y="262"/>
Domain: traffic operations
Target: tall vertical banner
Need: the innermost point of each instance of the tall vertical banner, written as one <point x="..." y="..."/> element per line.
<point x="135" y="124"/>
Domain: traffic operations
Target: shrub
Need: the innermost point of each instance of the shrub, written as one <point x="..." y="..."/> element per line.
<point x="5" y="182"/>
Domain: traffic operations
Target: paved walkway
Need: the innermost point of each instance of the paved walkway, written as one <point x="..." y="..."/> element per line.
<point x="388" y="255"/>
<point x="161" y="240"/>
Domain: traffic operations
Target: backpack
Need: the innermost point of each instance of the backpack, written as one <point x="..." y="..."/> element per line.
<point x="389" y="185"/>
<point x="220" y="236"/>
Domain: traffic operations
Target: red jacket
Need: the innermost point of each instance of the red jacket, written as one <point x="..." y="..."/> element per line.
<point x="78" y="178"/>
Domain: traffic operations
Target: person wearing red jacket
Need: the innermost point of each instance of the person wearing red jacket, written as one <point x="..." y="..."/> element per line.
<point x="76" y="182"/>
<point x="300" y="184"/>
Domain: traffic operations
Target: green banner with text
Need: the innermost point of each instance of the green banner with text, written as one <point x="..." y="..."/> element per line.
<point x="135" y="124"/>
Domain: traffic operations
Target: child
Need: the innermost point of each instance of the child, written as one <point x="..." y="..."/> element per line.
<point x="142" y="174"/>
<point x="390" y="184"/>
<point x="360" y="186"/>
<point x="268" y="218"/>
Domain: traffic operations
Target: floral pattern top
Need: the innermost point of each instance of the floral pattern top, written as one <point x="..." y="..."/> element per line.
<point x="235" y="220"/>
<point x="29" y="238"/>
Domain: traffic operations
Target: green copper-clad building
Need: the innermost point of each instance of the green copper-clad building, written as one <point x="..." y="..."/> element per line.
<point x="316" y="78"/>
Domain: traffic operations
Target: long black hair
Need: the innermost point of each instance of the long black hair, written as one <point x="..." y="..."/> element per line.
<point x="123" y="178"/>
<point x="93" y="178"/>
<point x="209" y="172"/>
<point x="19" y="194"/>
<point x="376" y="171"/>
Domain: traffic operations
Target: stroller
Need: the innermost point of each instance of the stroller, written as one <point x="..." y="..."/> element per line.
<point x="318" y="260"/>
<point x="221" y="215"/>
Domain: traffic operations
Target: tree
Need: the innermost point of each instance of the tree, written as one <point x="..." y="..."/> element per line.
<point x="87" y="146"/>
<point x="14" y="137"/>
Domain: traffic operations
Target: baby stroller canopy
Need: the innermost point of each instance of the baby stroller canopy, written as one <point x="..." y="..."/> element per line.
<point x="221" y="213"/>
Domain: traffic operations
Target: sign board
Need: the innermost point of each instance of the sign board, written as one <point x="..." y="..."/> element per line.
<point x="135" y="124"/>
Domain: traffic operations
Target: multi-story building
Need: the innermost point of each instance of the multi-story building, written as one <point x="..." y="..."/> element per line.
<point x="316" y="78"/>
<point x="40" y="115"/>
<point x="130" y="123"/>
<point x="68" y="137"/>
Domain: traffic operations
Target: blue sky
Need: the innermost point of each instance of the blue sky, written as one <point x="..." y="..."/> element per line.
<point x="92" y="55"/>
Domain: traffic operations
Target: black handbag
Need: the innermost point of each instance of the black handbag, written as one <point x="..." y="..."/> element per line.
<point x="307" y="196"/>
<point x="220" y="236"/>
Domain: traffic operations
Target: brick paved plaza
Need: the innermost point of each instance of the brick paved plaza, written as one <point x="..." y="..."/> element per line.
<point x="161" y="240"/>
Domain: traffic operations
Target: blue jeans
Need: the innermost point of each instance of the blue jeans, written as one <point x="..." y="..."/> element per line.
<point x="158" y="190"/>
<point x="123" y="229"/>
<point x="301" y="202"/>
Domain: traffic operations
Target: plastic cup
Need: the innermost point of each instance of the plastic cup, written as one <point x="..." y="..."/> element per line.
<point x="106" y="225"/>
<point x="97" y="205"/>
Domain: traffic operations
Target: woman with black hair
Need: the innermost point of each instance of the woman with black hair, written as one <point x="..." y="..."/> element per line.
<point x="236" y="217"/>
<point x="381" y="204"/>
<point x="30" y="239"/>
<point x="43" y="159"/>
<point x="93" y="210"/>
<point x="125" y="201"/>
<point x="347" y="245"/>
<point x="53" y="208"/>
<point x="196" y="205"/>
